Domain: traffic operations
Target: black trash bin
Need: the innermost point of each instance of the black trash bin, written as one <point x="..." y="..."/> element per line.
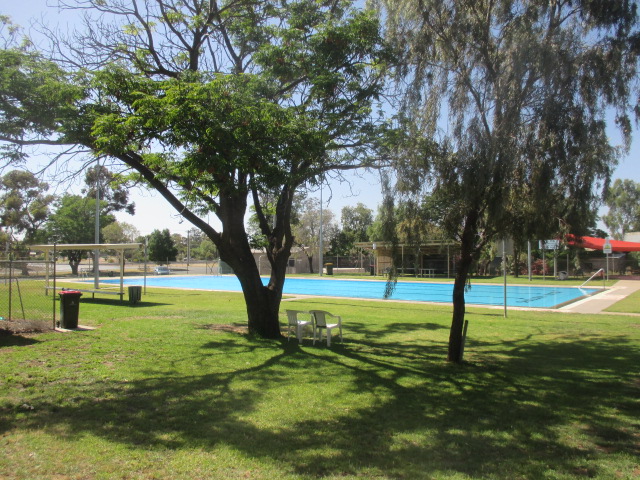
<point x="329" y="268"/>
<point x="372" y="270"/>
<point x="69" y="308"/>
<point x="135" y="294"/>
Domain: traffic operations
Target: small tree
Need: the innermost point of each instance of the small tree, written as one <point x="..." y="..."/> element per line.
<point x="73" y="221"/>
<point x="121" y="232"/>
<point x="206" y="250"/>
<point x="161" y="247"/>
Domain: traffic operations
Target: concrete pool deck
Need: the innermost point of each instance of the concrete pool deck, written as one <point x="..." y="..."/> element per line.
<point x="601" y="301"/>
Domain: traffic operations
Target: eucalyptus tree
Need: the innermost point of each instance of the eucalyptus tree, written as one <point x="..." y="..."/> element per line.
<point x="120" y="232"/>
<point x="310" y="217"/>
<point x="516" y="93"/>
<point x="24" y="204"/>
<point x="356" y="222"/>
<point x="214" y="104"/>
<point x="623" y="200"/>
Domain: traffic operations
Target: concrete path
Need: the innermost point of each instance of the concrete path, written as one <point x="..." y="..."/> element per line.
<point x="600" y="301"/>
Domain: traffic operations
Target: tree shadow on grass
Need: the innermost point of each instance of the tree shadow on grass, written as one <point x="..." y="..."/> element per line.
<point x="361" y="328"/>
<point x="16" y="340"/>
<point x="389" y="305"/>
<point x="113" y="302"/>
<point x="396" y="411"/>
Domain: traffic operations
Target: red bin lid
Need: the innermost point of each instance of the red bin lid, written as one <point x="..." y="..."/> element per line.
<point x="66" y="292"/>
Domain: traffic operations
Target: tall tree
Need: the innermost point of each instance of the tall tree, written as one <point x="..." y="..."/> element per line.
<point x="516" y="93"/>
<point x="205" y="250"/>
<point x="24" y="204"/>
<point x="120" y="232"/>
<point x="162" y="247"/>
<point x="357" y="220"/>
<point x="110" y="187"/>
<point x="306" y="229"/>
<point x="623" y="200"/>
<point x="355" y="223"/>
<point x="215" y="104"/>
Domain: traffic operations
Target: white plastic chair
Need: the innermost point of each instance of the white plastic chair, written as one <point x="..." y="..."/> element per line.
<point x="296" y="324"/>
<point x="320" y="323"/>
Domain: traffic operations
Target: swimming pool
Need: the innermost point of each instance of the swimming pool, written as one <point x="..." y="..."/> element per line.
<point x="479" y="294"/>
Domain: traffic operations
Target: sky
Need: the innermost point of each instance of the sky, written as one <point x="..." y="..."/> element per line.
<point x="153" y="212"/>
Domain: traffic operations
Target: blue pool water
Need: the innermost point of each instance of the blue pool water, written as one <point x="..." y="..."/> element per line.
<point x="479" y="294"/>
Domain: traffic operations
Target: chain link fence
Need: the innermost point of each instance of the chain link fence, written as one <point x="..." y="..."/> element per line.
<point x="24" y="303"/>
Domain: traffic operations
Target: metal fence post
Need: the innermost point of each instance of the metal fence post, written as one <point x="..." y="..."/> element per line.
<point x="10" y="283"/>
<point x="54" y="284"/>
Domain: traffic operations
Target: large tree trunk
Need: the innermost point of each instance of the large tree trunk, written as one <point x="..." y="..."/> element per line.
<point x="516" y="261"/>
<point x="263" y="305"/>
<point x="468" y="249"/>
<point x="457" y="322"/>
<point x="75" y="257"/>
<point x="263" y="302"/>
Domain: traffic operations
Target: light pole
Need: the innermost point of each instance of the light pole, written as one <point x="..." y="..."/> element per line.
<point x="375" y="266"/>
<point x="96" y="252"/>
<point x="320" y="245"/>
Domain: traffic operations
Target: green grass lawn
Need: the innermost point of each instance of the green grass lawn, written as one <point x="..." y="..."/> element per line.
<point x="171" y="389"/>
<point x="630" y="304"/>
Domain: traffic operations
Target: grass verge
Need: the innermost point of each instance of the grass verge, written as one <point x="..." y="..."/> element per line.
<point x="174" y="388"/>
<point x="630" y="304"/>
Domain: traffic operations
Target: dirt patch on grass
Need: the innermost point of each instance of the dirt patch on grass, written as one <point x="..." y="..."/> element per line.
<point x="227" y="327"/>
<point x="21" y="327"/>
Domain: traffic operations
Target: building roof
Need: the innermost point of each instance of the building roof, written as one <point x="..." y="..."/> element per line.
<point x="598" y="244"/>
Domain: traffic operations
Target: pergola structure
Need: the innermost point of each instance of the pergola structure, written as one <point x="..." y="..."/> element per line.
<point x="425" y="268"/>
<point x="119" y="247"/>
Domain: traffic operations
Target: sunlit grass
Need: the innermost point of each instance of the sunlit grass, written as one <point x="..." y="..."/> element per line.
<point x="630" y="304"/>
<point x="175" y="388"/>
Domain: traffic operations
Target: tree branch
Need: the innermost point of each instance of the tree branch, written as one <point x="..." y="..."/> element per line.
<point x="136" y="162"/>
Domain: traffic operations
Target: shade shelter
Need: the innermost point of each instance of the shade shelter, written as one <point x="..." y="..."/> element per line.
<point x="118" y="247"/>
<point x="598" y="244"/>
<point x="435" y="257"/>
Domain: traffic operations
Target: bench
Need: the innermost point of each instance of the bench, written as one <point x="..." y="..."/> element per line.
<point x="428" y="272"/>
<point x="348" y="270"/>
<point x="134" y="292"/>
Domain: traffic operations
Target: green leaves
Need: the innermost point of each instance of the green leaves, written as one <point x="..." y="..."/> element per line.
<point x="161" y="247"/>
<point x="74" y="220"/>
<point x="36" y="98"/>
<point x="623" y="200"/>
<point x="524" y="89"/>
<point x="24" y="203"/>
<point x="211" y="102"/>
<point x="329" y="57"/>
<point x="224" y="126"/>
